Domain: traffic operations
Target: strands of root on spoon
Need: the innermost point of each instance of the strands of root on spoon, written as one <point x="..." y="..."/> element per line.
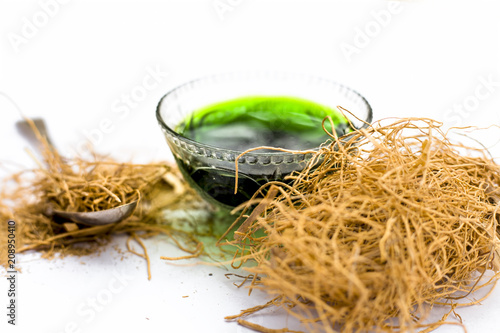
<point x="383" y="223"/>
<point x="79" y="185"/>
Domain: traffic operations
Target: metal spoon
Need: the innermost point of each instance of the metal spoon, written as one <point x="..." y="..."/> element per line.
<point x="102" y="217"/>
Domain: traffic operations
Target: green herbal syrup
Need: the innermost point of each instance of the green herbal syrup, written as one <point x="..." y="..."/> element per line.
<point x="243" y="123"/>
<point x="248" y="122"/>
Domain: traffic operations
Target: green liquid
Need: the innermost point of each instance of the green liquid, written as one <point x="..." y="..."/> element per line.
<point x="248" y="122"/>
<point x="243" y="123"/>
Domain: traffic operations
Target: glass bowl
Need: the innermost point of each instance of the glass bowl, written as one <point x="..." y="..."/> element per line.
<point x="210" y="169"/>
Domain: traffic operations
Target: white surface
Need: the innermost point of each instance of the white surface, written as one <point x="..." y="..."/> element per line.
<point x="76" y="68"/>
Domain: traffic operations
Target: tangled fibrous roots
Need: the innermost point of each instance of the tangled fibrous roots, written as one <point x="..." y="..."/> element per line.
<point x="383" y="222"/>
<point x="80" y="185"/>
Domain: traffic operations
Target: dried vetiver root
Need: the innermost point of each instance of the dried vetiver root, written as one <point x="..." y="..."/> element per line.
<point x="385" y="223"/>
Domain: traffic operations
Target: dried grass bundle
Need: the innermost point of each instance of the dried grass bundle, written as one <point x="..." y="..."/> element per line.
<point x="79" y="185"/>
<point x="384" y="222"/>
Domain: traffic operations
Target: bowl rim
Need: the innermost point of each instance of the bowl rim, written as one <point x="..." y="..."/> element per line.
<point x="255" y="74"/>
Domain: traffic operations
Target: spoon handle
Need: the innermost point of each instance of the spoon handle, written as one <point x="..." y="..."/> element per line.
<point x="25" y="128"/>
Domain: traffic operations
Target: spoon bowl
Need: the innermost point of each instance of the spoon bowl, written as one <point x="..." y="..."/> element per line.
<point x="102" y="217"/>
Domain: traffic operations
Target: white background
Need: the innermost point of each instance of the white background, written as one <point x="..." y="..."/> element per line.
<point x="76" y="66"/>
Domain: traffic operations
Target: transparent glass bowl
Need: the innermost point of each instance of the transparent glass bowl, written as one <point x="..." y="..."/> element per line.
<point x="210" y="169"/>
